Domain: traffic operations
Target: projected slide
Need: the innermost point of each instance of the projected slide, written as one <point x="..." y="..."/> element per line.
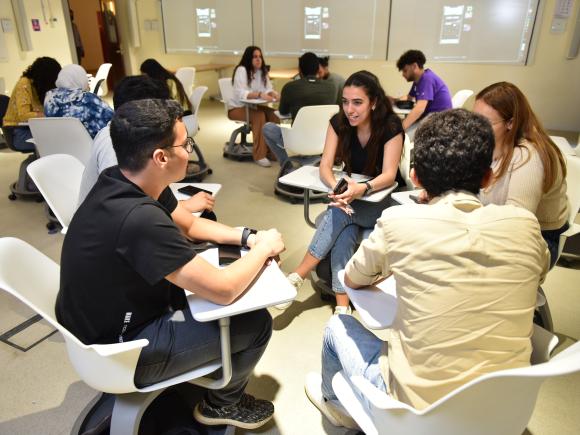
<point x="482" y="31"/>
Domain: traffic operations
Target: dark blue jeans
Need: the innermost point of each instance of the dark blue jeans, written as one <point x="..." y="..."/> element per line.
<point x="552" y="238"/>
<point x="19" y="137"/>
<point x="178" y="343"/>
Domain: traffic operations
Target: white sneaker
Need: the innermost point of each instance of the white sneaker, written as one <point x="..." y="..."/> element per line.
<point x="339" y="309"/>
<point x="297" y="282"/>
<point x="331" y="409"/>
<point x="264" y="163"/>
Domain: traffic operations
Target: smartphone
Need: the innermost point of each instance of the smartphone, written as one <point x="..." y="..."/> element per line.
<point x="228" y="254"/>
<point x="192" y="190"/>
<point x="340" y="187"/>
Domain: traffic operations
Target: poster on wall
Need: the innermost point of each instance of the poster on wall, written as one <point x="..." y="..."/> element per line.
<point x="35" y="24"/>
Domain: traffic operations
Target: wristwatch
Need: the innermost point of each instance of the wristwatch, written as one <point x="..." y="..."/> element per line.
<point x="246" y="232"/>
<point x="369" y="188"/>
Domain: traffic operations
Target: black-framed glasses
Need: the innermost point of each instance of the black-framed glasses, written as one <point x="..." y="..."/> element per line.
<point x="187" y="145"/>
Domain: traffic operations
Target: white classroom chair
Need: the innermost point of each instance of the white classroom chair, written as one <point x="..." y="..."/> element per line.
<point x="109" y="368"/>
<point x="460" y="97"/>
<point x="58" y="178"/>
<point x="186" y="75"/>
<point x="64" y="135"/>
<point x="98" y="83"/>
<point x="500" y="403"/>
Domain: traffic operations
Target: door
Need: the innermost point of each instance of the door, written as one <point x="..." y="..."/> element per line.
<point x="111" y="44"/>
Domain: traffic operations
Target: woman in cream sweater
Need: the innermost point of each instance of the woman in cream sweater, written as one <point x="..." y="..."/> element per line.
<point x="528" y="168"/>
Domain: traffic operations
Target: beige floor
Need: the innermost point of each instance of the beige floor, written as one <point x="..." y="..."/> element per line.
<point x="41" y="394"/>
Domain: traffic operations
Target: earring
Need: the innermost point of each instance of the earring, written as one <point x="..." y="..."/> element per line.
<point x="373" y="108"/>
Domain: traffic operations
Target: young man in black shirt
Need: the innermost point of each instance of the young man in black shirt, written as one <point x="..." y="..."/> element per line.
<point x="126" y="260"/>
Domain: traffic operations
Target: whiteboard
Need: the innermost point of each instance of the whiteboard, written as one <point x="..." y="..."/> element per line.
<point x="207" y="26"/>
<point x="482" y="31"/>
<point x="326" y="27"/>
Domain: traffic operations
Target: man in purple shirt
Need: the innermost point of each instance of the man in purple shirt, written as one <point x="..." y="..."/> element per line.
<point x="429" y="92"/>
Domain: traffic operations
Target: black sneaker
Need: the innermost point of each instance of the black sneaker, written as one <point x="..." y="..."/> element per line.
<point x="248" y="413"/>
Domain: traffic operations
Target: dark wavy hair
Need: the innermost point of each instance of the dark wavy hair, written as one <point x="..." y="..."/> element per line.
<point x="43" y="74"/>
<point x="410" y="57"/>
<point x="156" y="71"/>
<point x="453" y="151"/>
<point x="139" y="127"/>
<point x="246" y="62"/>
<point x="142" y="87"/>
<point x="383" y="108"/>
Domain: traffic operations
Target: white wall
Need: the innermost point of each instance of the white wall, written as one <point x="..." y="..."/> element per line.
<point x="51" y="40"/>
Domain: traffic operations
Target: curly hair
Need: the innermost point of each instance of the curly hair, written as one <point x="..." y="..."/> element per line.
<point x="383" y="108"/>
<point x="43" y="74"/>
<point x="246" y="63"/>
<point x="453" y="151"/>
<point x="410" y="57"/>
<point x="513" y="106"/>
<point x="139" y="127"/>
<point x="155" y="70"/>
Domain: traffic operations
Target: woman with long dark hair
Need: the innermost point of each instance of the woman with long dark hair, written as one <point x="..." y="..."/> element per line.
<point x="251" y="81"/>
<point x="529" y="170"/>
<point x="155" y="70"/>
<point x="27" y="99"/>
<point x="366" y="137"/>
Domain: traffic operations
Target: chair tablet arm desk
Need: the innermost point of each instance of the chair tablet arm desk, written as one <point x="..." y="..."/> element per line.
<point x="308" y="178"/>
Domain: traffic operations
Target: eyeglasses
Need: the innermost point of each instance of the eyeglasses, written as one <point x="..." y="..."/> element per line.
<point x="187" y="145"/>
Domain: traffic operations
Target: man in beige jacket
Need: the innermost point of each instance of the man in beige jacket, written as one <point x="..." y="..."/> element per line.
<point x="467" y="278"/>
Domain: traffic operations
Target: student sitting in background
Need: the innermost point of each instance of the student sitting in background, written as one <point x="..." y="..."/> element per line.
<point x="336" y="80"/>
<point x="72" y="98"/>
<point x="529" y="170"/>
<point x="467" y="278"/>
<point x="126" y="259"/>
<point x="26" y="100"/>
<point x="103" y="155"/>
<point x="428" y="91"/>
<point x="155" y="70"/>
<point x="309" y="90"/>
<point x="251" y="80"/>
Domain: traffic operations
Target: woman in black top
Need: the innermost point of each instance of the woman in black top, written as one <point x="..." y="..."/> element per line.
<point x="366" y="137"/>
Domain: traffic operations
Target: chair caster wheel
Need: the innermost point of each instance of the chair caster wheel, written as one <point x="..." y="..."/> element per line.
<point x="12" y="197"/>
<point x="224" y="155"/>
<point x="210" y="171"/>
<point x="52" y="228"/>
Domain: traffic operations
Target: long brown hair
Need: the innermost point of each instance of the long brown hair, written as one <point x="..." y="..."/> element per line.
<point x="383" y="108"/>
<point x="512" y="105"/>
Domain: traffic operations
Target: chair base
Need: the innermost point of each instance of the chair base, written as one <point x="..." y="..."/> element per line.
<point x="198" y="169"/>
<point x="99" y="415"/>
<point x="24" y="187"/>
<point x="238" y="150"/>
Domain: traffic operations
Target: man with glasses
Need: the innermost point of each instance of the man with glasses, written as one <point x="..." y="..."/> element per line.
<point x="127" y="257"/>
<point x="428" y="91"/>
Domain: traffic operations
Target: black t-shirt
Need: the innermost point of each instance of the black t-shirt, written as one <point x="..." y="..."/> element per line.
<point x="119" y="247"/>
<point x="359" y="155"/>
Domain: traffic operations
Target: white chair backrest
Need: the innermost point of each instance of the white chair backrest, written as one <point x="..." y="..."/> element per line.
<point x="226" y="91"/>
<point x="307" y="135"/>
<point x="192" y="121"/>
<point x="196" y="96"/>
<point x="460" y="97"/>
<point x="58" y="177"/>
<point x="102" y="74"/>
<point x="507" y="395"/>
<point x="61" y="136"/>
<point x="564" y="145"/>
<point x="405" y="163"/>
<point x="573" y="186"/>
<point x="186" y="75"/>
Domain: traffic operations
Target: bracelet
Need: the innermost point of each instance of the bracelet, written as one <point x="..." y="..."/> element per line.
<point x="246" y="232"/>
